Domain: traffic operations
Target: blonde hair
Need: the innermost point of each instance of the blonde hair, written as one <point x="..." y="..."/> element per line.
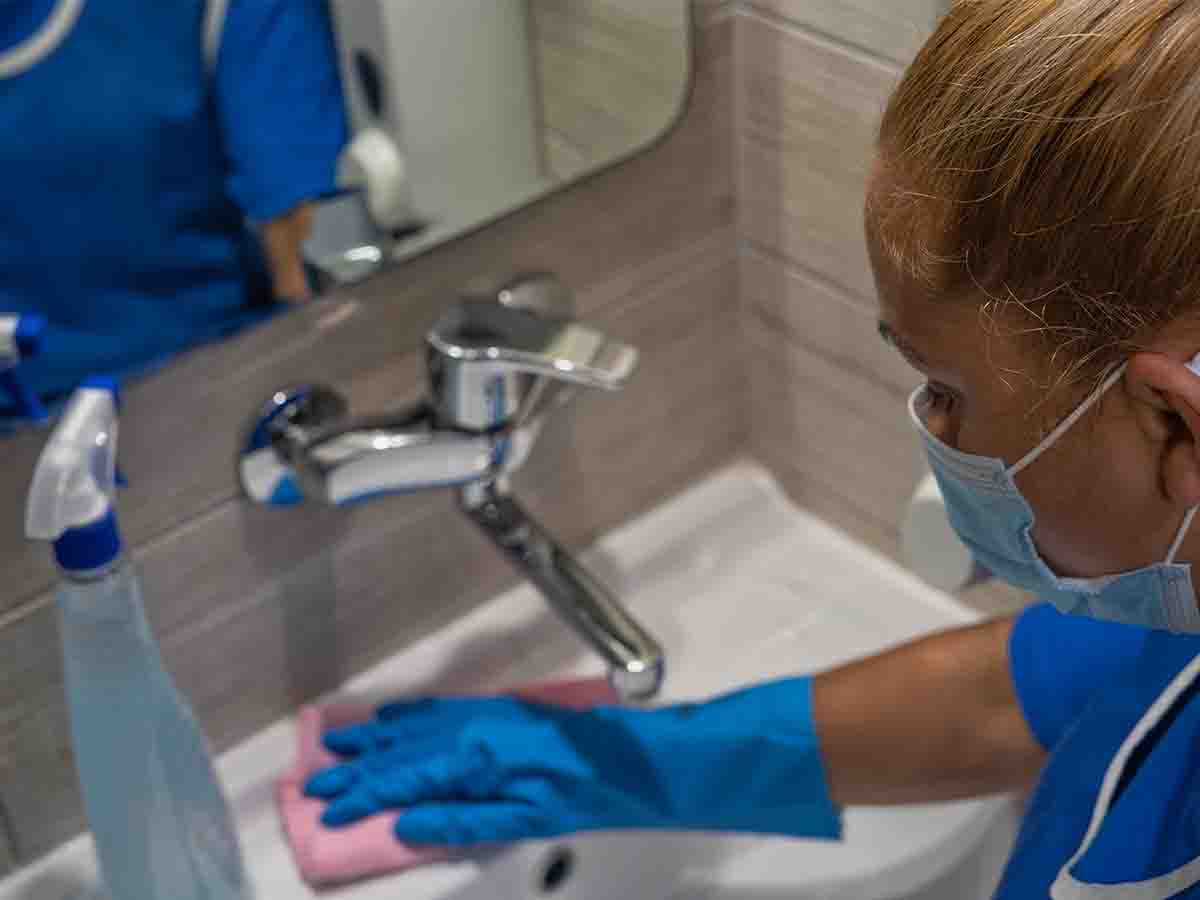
<point x="1046" y="153"/>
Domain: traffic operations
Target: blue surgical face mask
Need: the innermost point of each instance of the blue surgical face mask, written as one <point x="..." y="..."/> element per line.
<point x="995" y="521"/>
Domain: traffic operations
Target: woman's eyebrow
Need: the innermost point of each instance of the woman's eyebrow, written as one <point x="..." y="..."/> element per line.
<point x="893" y="339"/>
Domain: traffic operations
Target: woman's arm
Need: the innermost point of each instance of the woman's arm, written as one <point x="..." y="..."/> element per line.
<point x="280" y="109"/>
<point x="283" y="241"/>
<point x="964" y="713"/>
<point x="938" y="719"/>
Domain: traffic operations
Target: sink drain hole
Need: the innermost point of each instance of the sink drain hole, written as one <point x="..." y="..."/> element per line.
<point x="557" y="870"/>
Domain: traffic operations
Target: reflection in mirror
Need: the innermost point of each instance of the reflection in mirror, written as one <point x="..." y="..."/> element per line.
<point x="463" y="111"/>
<point x="231" y="158"/>
<point x="163" y="203"/>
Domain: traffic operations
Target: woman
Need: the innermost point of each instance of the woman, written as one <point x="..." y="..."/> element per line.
<point x="158" y="163"/>
<point x="1032" y="222"/>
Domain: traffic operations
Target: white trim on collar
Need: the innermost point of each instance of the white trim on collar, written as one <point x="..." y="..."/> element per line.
<point x="43" y="42"/>
<point x="214" y="28"/>
<point x="1067" y="886"/>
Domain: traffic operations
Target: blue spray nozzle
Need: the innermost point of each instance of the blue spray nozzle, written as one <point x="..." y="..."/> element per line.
<point x="70" y="500"/>
<point x="23" y="403"/>
<point x="104" y="383"/>
<point x="89" y="547"/>
<point x="20" y="337"/>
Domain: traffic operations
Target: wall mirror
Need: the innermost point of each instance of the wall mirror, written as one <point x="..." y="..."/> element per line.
<point x="226" y="158"/>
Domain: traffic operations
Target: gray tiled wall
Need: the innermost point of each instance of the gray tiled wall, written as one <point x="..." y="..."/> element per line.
<point x="826" y="398"/>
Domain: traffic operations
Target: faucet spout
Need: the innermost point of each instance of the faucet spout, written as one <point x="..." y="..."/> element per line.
<point x="635" y="659"/>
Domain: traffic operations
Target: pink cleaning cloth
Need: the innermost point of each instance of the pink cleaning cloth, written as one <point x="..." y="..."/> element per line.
<point x="328" y="856"/>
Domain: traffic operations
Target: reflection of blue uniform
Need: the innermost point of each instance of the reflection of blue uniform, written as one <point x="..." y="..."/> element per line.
<point x="1117" y="811"/>
<point x="130" y="167"/>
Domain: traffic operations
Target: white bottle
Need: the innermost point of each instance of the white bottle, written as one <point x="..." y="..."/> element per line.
<point x="162" y="828"/>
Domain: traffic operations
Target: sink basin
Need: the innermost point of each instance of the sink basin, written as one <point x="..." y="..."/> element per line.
<point x="739" y="585"/>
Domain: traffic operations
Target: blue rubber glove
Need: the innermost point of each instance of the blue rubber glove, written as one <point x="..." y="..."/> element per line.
<point x="498" y="770"/>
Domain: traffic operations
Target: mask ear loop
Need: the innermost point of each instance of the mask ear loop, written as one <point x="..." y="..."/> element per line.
<point x="1183" y="532"/>
<point x="1065" y="424"/>
<point x="1079" y="413"/>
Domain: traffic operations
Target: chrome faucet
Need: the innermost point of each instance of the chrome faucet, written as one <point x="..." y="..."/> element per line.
<point x="497" y="367"/>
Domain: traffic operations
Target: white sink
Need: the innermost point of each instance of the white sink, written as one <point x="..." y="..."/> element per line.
<point x="739" y="585"/>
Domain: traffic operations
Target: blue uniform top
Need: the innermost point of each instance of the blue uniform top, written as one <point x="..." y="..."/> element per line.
<point x="131" y="166"/>
<point x="1116" y="813"/>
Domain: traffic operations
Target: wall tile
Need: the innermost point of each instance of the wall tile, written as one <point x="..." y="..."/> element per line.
<point x="807" y="112"/>
<point x="847" y="432"/>
<point x="802" y="308"/>
<point x="894" y="29"/>
<point x="826" y="396"/>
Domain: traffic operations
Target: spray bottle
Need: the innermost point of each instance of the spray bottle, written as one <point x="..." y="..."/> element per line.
<point x="162" y="828"/>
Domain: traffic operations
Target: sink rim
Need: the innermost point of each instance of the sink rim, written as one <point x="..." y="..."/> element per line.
<point x="743" y="488"/>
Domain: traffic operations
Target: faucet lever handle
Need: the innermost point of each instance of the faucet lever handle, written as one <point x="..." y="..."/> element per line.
<point x="498" y="340"/>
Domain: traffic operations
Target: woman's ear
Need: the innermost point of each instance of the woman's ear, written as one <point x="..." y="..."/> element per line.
<point x="1164" y="394"/>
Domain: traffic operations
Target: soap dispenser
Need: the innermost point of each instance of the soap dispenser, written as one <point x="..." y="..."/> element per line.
<point x="162" y="827"/>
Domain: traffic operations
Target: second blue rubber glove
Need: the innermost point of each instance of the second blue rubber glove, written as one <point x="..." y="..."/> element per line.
<point x="498" y="770"/>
